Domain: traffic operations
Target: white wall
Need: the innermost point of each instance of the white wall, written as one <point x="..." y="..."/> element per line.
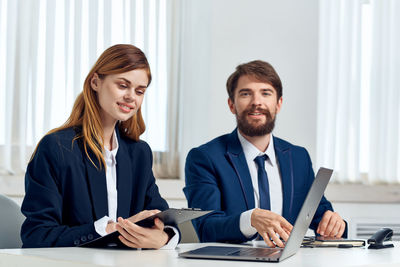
<point x="221" y="34"/>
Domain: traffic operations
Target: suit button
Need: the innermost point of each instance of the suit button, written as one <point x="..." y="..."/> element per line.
<point x="90" y="236"/>
<point x="83" y="238"/>
<point x="76" y="242"/>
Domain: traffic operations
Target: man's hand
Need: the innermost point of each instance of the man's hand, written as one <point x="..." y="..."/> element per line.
<point x="135" y="236"/>
<point x="269" y="224"/>
<point x="331" y="225"/>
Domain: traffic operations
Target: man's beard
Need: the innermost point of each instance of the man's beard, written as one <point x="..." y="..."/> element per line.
<point x="248" y="129"/>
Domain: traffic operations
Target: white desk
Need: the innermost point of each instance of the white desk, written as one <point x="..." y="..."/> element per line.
<point x="85" y="257"/>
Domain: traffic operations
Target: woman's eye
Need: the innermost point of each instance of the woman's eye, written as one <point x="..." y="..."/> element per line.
<point x="139" y="92"/>
<point x="123" y="86"/>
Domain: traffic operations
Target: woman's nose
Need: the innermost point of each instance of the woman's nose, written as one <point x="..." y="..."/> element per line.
<point x="130" y="95"/>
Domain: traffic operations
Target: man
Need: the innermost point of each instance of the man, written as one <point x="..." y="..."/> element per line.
<point x="255" y="182"/>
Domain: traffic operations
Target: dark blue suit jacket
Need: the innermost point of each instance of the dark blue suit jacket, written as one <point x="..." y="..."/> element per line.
<point x="218" y="178"/>
<point x="65" y="193"/>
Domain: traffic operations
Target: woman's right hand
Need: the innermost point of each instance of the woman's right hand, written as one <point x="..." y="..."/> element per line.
<point x="142" y="215"/>
<point x="134" y="236"/>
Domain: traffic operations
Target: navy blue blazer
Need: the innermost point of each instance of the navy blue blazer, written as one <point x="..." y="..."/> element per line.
<point x="66" y="194"/>
<point x="218" y="178"/>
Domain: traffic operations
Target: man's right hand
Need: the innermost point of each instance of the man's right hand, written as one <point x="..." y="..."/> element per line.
<point x="268" y="224"/>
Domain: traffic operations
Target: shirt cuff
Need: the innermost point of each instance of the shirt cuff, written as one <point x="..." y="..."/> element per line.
<point x="101" y="224"/>
<point x="173" y="242"/>
<point x="245" y="224"/>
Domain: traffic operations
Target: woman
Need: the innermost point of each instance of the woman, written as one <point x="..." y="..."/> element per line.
<point x="94" y="169"/>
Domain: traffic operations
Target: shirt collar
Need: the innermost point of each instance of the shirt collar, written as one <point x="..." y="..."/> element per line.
<point x="113" y="153"/>
<point x="252" y="152"/>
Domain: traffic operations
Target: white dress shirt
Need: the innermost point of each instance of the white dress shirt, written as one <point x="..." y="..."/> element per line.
<point x="274" y="181"/>
<point x="112" y="195"/>
<point x="111" y="180"/>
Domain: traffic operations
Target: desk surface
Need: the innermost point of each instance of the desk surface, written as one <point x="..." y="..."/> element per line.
<point x="85" y="257"/>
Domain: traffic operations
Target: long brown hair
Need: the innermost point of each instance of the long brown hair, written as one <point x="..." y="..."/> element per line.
<point x="86" y="111"/>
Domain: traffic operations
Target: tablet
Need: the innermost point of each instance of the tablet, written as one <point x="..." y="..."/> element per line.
<point x="169" y="217"/>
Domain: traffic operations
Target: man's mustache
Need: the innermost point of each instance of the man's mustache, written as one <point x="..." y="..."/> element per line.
<point x="257" y="110"/>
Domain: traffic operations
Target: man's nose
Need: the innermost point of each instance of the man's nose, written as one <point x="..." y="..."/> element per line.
<point x="256" y="100"/>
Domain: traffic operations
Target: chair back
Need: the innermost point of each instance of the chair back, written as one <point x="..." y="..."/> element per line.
<point x="188" y="234"/>
<point x="11" y="220"/>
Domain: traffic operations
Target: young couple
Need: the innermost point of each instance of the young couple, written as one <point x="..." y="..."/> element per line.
<point x="93" y="175"/>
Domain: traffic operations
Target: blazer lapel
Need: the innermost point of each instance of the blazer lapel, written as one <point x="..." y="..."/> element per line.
<point x="97" y="186"/>
<point x="283" y="154"/>
<point x="125" y="170"/>
<point x="236" y="157"/>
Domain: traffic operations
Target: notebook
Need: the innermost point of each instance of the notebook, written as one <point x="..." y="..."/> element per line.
<point x="320" y="241"/>
<point x="272" y="254"/>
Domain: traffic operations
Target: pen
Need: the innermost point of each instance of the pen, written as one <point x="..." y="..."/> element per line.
<point x="345" y="246"/>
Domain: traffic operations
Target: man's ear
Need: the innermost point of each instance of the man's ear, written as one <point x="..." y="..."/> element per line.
<point x="95" y="82"/>
<point x="231" y="106"/>
<point x="279" y="105"/>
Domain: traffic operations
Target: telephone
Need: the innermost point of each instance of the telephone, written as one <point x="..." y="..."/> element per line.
<point x="377" y="239"/>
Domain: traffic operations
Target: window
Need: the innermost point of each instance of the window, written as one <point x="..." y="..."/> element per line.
<point x="46" y="50"/>
<point x="366" y="52"/>
<point x="358" y="96"/>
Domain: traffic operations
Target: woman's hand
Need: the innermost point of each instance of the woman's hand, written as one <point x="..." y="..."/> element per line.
<point x="111" y="227"/>
<point x="142" y="215"/>
<point x="135" y="236"/>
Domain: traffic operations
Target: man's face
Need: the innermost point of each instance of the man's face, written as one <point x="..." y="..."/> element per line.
<point x="255" y="106"/>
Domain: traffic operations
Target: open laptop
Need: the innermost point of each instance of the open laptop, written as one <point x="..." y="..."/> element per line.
<point x="273" y="254"/>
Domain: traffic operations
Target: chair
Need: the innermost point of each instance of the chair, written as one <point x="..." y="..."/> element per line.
<point x="188" y="233"/>
<point x="11" y="220"/>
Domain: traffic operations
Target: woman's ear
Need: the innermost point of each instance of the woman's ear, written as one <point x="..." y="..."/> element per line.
<point x="94" y="82"/>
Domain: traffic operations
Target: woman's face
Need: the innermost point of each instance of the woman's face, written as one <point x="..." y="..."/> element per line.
<point x="120" y="95"/>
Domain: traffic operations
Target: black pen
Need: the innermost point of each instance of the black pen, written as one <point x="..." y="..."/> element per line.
<point x="345" y="246"/>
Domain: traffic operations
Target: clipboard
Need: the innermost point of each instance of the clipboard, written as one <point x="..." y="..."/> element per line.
<point x="169" y="217"/>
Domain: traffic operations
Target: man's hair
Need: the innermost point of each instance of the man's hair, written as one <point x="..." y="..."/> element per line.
<point x="261" y="70"/>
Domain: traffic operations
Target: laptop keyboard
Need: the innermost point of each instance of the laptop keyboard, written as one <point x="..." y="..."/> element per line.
<point x="255" y="252"/>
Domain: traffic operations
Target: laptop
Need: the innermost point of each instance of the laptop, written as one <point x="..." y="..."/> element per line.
<point x="272" y="254"/>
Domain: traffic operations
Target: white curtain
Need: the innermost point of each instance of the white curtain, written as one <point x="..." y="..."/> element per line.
<point x="167" y="162"/>
<point x="46" y="49"/>
<point x="384" y="158"/>
<point x="358" y="90"/>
